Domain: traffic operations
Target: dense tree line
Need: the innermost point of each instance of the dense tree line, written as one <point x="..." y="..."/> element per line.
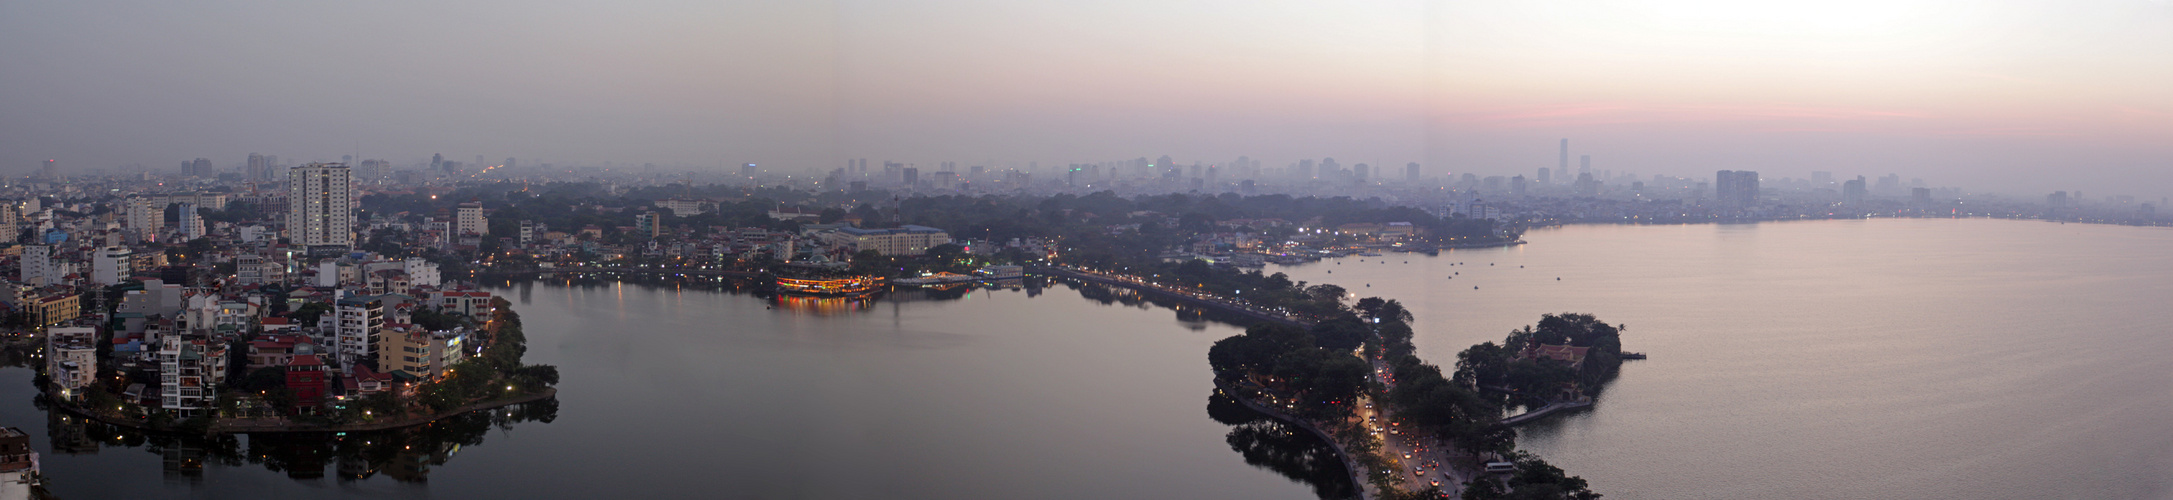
<point x="1321" y="381"/>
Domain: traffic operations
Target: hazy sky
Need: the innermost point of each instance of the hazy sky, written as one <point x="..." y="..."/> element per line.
<point x="2008" y="96"/>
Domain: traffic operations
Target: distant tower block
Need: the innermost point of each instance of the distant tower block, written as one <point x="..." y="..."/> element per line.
<point x="1564" y="167"/>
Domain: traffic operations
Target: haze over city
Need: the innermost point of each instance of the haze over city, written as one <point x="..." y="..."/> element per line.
<point x="2013" y="97"/>
<point x="976" y="249"/>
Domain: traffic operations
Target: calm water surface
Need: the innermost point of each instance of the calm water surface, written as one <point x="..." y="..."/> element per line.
<point x="1838" y="359"/>
<point x="1835" y="359"/>
<point x="671" y="393"/>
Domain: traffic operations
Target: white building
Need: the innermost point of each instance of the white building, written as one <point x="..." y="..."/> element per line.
<point x="37" y="265"/>
<point x="470" y="220"/>
<point x="192" y="225"/>
<point x="252" y="269"/>
<point x="145" y="215"/>
<point x="320" y="210"/>
<point x="111" y="265"/>
<point x="905" y="240"/>
<point x="422" y="272"/>
<point x="190" y="371"/>
<point x="475" y="304"/>
<point x="71" y="359"/>
<point x="359" y="320"/>
<point x="682" y="208"/>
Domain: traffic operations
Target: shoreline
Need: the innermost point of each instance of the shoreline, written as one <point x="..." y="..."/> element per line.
<point x="1350" y="465"/>
<point x="231" y="426"/>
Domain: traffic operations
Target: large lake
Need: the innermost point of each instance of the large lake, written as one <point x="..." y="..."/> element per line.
<point x="1833" y="359"/>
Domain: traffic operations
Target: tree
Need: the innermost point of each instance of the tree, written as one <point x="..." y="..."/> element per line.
<point x="307" y="314"/>
<point x="265" y="379"/>
<point x="1341" y="333"/>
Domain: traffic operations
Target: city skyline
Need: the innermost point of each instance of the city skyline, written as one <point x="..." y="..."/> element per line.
<point x="2001" y="97"/>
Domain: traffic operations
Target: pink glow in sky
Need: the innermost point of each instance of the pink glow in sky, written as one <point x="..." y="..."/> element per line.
<point x="1991" y="95"/>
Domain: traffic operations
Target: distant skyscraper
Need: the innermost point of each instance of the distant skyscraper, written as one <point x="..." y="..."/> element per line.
<point x="1922" y="196"/>
<point x="51" y="171"/>
<point x="1564" y="167"/>
<point x="319" y="205"/>
<point x="1890" y="184"/>
<point x="910" y="175"/>
<point x="257" y="170"/>
<point x="1360" y="171"/>
<point x="1854" y="191"/>
<point x="1516" y="185"/>
<point x="437" y="163"/>
<point x="199" y="168"/>
<point x="1736" y="188"/>
<point x="748" y="170"/>
<point x="1546" y="176"/>
<point x="1584" y="164"/>
<point x="1410" y="172"/>
<point x="2058" y="199"/>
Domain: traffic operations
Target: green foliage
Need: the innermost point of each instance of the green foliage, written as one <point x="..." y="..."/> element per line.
<point x="307" y="314"/>
<point x="434" y="320"/>
<point x="1324" y="381"/>
<point x="1534" y="479"/>
<point x="265" y="379"/>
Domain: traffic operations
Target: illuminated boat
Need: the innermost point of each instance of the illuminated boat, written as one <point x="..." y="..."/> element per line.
<point x="847" y="285"/>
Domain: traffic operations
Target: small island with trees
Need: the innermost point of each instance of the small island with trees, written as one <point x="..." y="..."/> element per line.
<point x="1354" y="379"/>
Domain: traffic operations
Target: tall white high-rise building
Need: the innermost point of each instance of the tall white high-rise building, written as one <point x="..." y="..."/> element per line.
<point x="38" y="265"/>
<point x="320" y="210"/>
<point x="470" y="220"/>
<point x="192" y="225"/>
<point x="111" y="265"/>
<point x="145" y="216"/>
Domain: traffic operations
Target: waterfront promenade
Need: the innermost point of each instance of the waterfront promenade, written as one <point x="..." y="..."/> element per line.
<point x="661" y="271"/>
<point x="1186" y="295"/>
<point x="270" y="425"/>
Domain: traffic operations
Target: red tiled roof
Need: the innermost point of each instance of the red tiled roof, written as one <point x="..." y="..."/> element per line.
<point x="306" y="360"/>
<point x="1568" y="354"/>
